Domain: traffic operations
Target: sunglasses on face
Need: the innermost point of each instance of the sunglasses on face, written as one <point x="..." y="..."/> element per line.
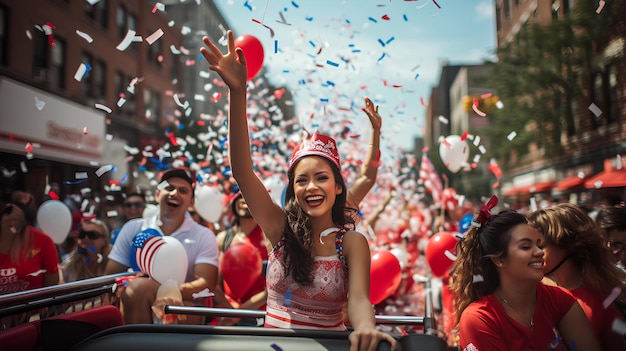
<point x="134" y="204"/>
<point x="92" y="235"/>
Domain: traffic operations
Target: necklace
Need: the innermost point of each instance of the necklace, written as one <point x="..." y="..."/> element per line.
<point x="531" y="325"/>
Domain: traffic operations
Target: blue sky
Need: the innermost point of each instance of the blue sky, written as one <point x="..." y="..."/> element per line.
<point x="335" y="52"/>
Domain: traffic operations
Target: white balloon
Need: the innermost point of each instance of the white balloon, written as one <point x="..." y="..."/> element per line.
<point x="209" y="203"/>
<point x="170" y="262"/>
<point x="454" y="152"/>
<point x="275" y="186"/>
<point x="55" y="219"/>
<point x="402" y="255"/>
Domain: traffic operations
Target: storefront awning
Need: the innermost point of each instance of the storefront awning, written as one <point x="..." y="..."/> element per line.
<point x="538" y="187"/>
<point x="568" y="183"/>
<point x="613" y="178"/>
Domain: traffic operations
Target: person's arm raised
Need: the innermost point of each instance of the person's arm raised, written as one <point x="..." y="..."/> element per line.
<point x="369" y="172"/>
<point x="232" y="68"/>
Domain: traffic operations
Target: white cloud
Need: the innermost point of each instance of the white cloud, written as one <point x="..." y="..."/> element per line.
<point x="484" y="11"/>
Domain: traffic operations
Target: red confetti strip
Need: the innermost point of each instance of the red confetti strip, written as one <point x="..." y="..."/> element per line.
<point x="422" y="101"/>
<point x="50" y="37"/>
<point x="264" y="25"/>
<point x="53" y="195"/>
<point x="386" y="17"/>
<point x="464" y="136"/>
<point x="486" y="95"/>
<point x="29" y="147"/>
<point x="173" y="139"/>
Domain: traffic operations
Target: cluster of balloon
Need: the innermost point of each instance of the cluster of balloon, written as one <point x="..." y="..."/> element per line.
<point x="209" y="203"/>
<point x="454" y="152"/>
<point x="440" y="253"/>
<point x="385" y="275"/>
<point x="163" y="258"/>
<point x="253" y="52"/>
<point x="55" y="219"/>
<point x="450" y="199"/>
<point x="241" y="267"/>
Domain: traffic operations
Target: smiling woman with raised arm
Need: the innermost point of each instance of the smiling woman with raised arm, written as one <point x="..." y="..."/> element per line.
<point x="501" y="302"/>
<point x="315" y="260"/>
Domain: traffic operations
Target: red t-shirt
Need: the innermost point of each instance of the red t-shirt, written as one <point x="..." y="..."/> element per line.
<point x="29" y="271"/>
<point x="601" y="319"/>
<point x="485" y="325"/>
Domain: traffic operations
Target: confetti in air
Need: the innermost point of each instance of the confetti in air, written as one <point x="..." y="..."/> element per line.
<point x="478" y="278"/>
<point x="595" y="109"/>
<point x="609" y="300"/>
<point x="84" y="36"/>
<point x="600" y="6"/>
<point x="103" y="108"/>
<point x="154" y="36"/>
<point x="128" y="39"/>
<point x="511" y="136"/>
<point x="39" y="103"/>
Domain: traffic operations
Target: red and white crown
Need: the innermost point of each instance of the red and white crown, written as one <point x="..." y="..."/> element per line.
<point x="316" y="145"/>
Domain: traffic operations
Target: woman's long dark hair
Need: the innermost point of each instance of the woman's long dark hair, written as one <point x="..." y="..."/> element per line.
<point x="474" y="254"/>
<point x="297" y="256"/>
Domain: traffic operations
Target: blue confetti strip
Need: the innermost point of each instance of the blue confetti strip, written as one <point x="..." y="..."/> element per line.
<point x="390" y="40"/>
<point x="247" y="5"/>
<point x="67" y="182"/>
<point x="417" y="76"/>
<point x="406" y="19"/>
<point x="381" y="42"/>
<point x="329" y="62"/>
<point x="372" y="19"/>
<point x="324" y="99"/>
<point x="87" y="69"/>
<point x="310" y="19"/>
<point x="295" y="5"/>
<point x="382" y="57"/>
<point x="312" y="43"/>
<point x="275" y="46"/>
<point x="276" y="347"/>
<point x="330" y="83"/>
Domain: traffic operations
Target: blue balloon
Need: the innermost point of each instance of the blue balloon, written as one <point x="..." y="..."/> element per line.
<point x="466" y="222"/>
<point x="138" y="241"/>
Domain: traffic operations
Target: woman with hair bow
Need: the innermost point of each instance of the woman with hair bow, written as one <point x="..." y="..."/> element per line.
<point x="501" y="302"/>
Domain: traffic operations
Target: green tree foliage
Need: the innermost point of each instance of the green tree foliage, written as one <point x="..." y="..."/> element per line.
<point x="540" y="77"/>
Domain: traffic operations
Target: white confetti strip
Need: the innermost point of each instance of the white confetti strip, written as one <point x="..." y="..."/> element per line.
<point x="81" y="175"/>
<point x="103" y="108"/>
<point x="478" y="278"/>
<point x="84" y="36"/>
<point x="619" y="326"/>
<point x="121" y="102"/>
<point x="39" y="103"/>
<point x="614" y="294"/>
<point x="202" y="293"/>
<point x="92" y="2"/>
<point x="174" y="50"/>
<point x="595" y="109"/>
<point x="443" y="120"/>
<point x="128" y="39"/>
<point x="511" y="136"/>
<point x="154" y="36"/>
<point x="163" y="185"/>
<point x="80" y="72"/>
<point x="102" y="170"/>
<point x="108" y="137"/>
<point x="450" y="255"/>
<point x="111" y="213"/>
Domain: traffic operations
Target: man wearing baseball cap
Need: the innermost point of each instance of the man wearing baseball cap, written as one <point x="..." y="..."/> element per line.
<point x="174" y="195"/>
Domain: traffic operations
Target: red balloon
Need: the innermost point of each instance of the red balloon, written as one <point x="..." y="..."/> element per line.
<point x="385" y="275"/>
<point x="241" y="266"/>
<point x="439" y="261"/>
<point x="253" y="51"/>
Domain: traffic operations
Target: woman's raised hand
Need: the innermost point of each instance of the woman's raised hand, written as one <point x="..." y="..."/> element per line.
<point x="372" y="113"/>
<point x="230" y="66"/>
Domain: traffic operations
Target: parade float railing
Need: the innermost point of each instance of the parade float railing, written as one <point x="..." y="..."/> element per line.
<point x="58" y="317"/>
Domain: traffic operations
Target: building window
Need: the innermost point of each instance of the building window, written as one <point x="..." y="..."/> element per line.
<point x="98" y="12"/>
<point x="41" y="52"/>
<point x="507" y="9"/>
<point x="122" y="22"/>
<point x="568" y="6"/>
<point x="597" y="97"/>
<point x="86" y="83"/>
<point x="3" y="34"/>
<point x="152" y="103"/>
<point x="99" y="77"/>
<point x="555" y="9"/>
<point x="612" y="108"/>
<point x="57" y="69"/>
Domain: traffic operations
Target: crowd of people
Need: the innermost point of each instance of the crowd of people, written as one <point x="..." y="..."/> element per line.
<point x="551" y="277"/>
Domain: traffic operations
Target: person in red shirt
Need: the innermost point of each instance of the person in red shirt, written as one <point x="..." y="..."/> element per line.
<point x="577" y="260"/>
<point x="244" y="229"/>
<point x="501" y="302"/>
<point x="28" y="257"/>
